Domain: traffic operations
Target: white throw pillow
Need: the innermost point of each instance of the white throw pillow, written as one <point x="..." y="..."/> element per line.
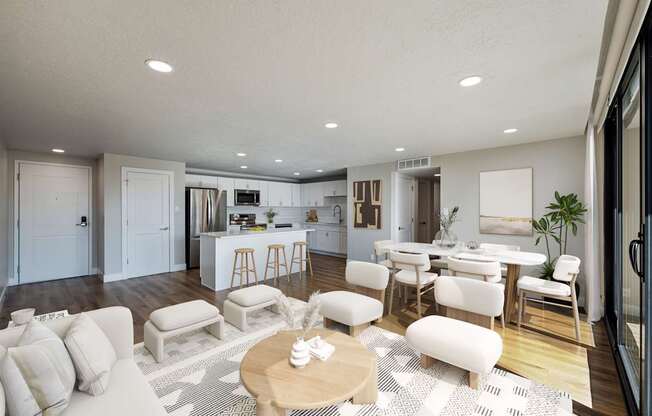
<point x="45" y="366"/>
<point x="92" y="354"/>
<point x="20" y="400"/>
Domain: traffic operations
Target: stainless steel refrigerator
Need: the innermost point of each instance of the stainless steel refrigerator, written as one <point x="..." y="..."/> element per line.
<point x="205" y="212"/>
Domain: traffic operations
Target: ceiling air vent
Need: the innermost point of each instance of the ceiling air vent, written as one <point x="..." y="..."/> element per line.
<point x="418" y="163"/>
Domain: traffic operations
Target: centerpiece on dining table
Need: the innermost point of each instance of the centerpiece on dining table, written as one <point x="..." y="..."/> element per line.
<point x="445" y="237"/>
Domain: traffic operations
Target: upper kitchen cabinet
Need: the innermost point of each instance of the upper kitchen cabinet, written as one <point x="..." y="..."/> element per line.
<point x="334" y="188"/>
<point x="280" y="194"/>
<point x="228" y="185"/>
<point x="296" y="194"/>
<point x="201" y="181"/>
<point x="265" y="194"/>
<point x="312" y="194"/>
<point x="247" y="184"/>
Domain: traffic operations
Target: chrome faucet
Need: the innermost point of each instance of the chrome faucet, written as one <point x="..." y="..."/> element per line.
<point x="339" y="213"/>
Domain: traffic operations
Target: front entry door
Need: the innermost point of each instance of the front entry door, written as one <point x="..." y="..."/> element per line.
<point x="53" y="222"/>
<point x="147" y="223"/>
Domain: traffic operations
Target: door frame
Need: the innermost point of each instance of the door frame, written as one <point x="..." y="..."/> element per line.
<point x="124" y="213"/>
<point x="16" y="213"/>
<point x="396" y="177"/>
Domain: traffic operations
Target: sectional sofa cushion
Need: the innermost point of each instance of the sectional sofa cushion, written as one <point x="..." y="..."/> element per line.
<point x="20" y="400"/>
<point x="91" y="353"/>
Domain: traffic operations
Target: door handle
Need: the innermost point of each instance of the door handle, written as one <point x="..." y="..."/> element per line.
<point x="634" y="250"/>
<point x="401" y="228"/>
<point x="165" y="228"/>
<point x="82" y="224"/>
<point x="422" y="223"/>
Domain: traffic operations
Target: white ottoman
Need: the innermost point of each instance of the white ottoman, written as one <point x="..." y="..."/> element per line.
<point x="177" y="319"/>
<point x="352" y="309"/>
<point x="242" y="301"/>
<point x="459" y="343"/>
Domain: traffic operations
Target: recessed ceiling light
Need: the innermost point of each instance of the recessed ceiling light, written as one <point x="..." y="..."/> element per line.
<point x="58" y="150"/>
<point x="296" y="173"/>
<point x="400" y="149"/>
<point x="470" y="81"/>
<point x="330" y="125"/>
<point x="241" y="154"/>
<point x="319" y="170"/>
<point x="278" y="160"/>
<point x="510" y="131"/>
<point x="158" y="66"/>
<point x="243" y="167"/>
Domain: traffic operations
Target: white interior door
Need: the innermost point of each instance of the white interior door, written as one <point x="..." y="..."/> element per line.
<point x="53" y="238"/>
<point x="405" y="208"/>
<point x="147" y="223"/>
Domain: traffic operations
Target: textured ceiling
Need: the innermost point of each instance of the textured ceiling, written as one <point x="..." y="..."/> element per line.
<point x="263" y="76"/>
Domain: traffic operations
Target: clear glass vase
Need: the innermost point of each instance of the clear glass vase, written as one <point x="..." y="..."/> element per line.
<point x="446" y="238"/>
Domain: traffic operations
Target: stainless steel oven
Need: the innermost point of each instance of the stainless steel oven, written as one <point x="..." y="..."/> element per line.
<point x="247" y="197"/>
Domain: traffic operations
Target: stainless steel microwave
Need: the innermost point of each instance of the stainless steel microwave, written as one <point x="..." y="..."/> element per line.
<point x="246" y="197"/>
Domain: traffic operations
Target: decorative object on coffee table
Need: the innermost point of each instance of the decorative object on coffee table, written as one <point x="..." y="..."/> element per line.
<point x="350" y="372"/>
<point x="300" y="352"/>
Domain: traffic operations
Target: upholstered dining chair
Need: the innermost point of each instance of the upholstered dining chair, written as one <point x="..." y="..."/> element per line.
<point x="412" y="272"/>
<point x="562" y="287"/>
<point x="381" y="253"/>
<point x="500" y="247"/>
<point x="487" y="271"/>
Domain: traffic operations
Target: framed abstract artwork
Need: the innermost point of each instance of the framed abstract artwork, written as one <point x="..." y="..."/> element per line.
<point x="506" y="202"/>
<point x="367" y="204"/>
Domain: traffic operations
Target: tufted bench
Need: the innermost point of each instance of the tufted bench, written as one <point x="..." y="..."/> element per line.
<point x="459" y="343"/>
<point x="178" y="319"/>
<point x="242" y="301"/>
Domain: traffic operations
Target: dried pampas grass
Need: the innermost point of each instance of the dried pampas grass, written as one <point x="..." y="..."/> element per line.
<point x="285" y="310"/>
<point x="311" y="316"/>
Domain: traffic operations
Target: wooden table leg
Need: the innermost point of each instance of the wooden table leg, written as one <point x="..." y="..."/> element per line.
<point x="369" y="393"/>
<point x="265" y="407"/>
<point x="513" y="272"/>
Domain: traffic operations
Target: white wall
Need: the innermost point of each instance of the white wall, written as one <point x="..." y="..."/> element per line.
<point x="557" y="165"/>
<point x="4" y="222"/>
<point x="111" y="233"/>
<point x="12" y="157"/>
<point x="360" y="241"/>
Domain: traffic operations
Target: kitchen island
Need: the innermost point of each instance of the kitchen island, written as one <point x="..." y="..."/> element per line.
<point x="217" y="253"/>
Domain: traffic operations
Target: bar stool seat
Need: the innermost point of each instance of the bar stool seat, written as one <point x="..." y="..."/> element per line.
<point x="275" y="264"/>
<point x="299" y="259"/>
<point x="246" y="254"/>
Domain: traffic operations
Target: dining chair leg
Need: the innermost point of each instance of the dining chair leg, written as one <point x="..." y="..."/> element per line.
<point x="576" y="313"/>
<point x="391" y="295"/>
<point x="521" y="306"/>
<point x="502" y="320"/>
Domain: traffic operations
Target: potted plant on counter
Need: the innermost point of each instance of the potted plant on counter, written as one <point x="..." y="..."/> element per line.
<point x="270" y="214"/>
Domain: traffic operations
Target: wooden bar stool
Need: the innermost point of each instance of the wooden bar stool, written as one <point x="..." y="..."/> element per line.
<point x="245" y="255"/>
<point x="275" y="265"/>
<point x="300" y="259"/>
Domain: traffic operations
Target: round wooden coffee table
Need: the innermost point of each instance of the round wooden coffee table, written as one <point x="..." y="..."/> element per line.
<point x="350" y="373"/>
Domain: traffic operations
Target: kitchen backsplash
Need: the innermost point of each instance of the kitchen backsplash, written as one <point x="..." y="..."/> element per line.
<point x="293" y="215"/>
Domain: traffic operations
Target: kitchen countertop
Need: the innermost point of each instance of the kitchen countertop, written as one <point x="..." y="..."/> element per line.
<point x="332" y="224"/>
<point x="248" y="233"/>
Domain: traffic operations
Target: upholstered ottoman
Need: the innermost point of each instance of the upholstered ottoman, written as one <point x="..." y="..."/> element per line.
<point x="242" y="301"/>
<point x="351" y="309"/>
<point x="177" y="319"/>
<point x="459" y="343"/>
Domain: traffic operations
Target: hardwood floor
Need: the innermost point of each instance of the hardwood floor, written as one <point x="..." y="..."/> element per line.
<point x="544" y="352"/>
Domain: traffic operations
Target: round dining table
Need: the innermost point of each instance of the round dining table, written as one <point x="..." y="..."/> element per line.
<point x="511" y="258"/>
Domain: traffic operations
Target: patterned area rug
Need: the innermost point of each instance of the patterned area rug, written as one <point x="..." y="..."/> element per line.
<point x="201" y="377"/>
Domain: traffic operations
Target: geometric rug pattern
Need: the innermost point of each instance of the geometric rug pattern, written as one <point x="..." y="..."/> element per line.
<point x="201" y="377"/>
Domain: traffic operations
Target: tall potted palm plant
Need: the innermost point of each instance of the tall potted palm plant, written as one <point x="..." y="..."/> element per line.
<point x="565" y="213"/>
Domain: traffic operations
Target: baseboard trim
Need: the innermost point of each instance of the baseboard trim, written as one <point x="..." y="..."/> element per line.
<point x="112" y="277"/>
<point x="178" y="267"/>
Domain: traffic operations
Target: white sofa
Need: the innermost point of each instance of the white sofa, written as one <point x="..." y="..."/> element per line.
<point x="129" y="393"/>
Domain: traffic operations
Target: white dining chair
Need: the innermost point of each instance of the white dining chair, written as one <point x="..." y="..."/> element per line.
<point x="562" y="287"/>
<point x="489" y="247"/>
<point x="488" y="271"/>
<point x="440" y="263"/>
<point x="412" y="272"/>
<point x="381" y="252"/>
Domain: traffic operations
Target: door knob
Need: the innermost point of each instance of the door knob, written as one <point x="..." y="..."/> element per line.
<point x="164" y="228"/>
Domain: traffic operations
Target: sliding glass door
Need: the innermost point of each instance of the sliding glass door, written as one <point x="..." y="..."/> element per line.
<point x="626" y="214"/>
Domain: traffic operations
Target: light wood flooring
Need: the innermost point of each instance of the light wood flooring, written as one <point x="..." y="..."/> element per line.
<point x="544" y="351"/>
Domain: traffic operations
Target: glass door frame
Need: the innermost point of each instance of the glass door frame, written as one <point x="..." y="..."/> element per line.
<point x="638" y="398"/>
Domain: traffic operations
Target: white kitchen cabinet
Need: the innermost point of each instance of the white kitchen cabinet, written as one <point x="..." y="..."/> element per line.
<point x="264" y="193"/>
<point x="228" y="185"/>
<point x="329" y="188"/>
<point x="312" y="194"/>
<point x="341" y="188"/>
<point x="280" y="194"/>
<point x="247" y="184"/>
<point x="342" y="245"/>
<point x="327" y="240"/>
<point x="201" y="181"/>
<point x="295" y="191"/>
